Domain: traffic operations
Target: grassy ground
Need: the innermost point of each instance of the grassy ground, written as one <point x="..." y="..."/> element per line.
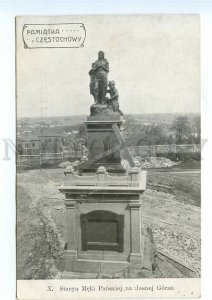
<point x="186" y="187"/>
<point x="190" y="164"/>
<point x="40" y="241"/>
<point x="34" y="258"/>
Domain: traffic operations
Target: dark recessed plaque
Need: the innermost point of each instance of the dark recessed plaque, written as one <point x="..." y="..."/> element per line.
<point x="102" y="230"/>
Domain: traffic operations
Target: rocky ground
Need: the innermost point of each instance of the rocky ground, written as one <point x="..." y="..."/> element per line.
<point x="171" y="209"/>
<point x="175" y="227"/>
<point x="156" y="162"/>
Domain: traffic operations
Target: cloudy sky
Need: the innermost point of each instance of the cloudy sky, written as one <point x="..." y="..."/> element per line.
<point x="154" y="60"/>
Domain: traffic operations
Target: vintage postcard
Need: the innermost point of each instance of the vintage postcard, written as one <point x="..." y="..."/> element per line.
<point x="108" y="157"/>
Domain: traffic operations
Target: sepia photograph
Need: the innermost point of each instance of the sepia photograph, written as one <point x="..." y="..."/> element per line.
<point x="108" y="159"/>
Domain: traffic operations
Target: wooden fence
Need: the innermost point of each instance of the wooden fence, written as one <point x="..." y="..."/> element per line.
<point x="143" y="151"/>
<point x="154" y="150"/>
<point x="48" y="158"/>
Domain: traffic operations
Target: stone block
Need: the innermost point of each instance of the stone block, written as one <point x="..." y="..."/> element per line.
<point x="105" y="245"/>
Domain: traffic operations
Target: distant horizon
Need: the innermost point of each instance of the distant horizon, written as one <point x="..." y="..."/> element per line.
<point x="131" y="114"/>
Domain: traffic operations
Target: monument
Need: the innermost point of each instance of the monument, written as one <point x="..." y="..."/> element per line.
<point x="105" y="234"/>
<point x="104" y="113"/>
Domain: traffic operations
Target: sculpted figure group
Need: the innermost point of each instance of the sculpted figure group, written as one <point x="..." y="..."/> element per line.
<point x="99" y="86"/>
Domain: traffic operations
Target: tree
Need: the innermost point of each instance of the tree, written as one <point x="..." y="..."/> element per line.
<point x="134" y="134"/>
<point x="156" y="135"/>
<point x="81" y="132"/>
<point x="197" y="128"/>
<point x="182" y="126"/>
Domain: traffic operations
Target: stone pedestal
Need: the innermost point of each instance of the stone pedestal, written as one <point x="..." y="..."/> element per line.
<point x="102" y="110"/>
<point x="104" y="223"/>
<point x="101" y="138"/>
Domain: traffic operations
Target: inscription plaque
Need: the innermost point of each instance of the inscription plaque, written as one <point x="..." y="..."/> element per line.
<point x="102" y="230"/>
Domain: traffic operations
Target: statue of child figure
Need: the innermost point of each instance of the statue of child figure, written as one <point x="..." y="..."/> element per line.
<point x="114" y="96"/>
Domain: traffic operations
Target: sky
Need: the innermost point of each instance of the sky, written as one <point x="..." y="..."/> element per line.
<point x="154" y="61"/>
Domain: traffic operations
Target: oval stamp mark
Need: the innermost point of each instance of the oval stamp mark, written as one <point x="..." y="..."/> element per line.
<point x="63" y="35"/>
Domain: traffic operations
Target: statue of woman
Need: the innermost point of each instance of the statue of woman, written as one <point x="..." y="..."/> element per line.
<point x="100" y="69"/>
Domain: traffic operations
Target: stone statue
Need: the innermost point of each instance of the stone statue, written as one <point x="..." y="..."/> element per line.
<point x="99" y="81"/>
<point x="93" y="84"/>
<point x="114" y="96"/>
<point x="99" y="89"/>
